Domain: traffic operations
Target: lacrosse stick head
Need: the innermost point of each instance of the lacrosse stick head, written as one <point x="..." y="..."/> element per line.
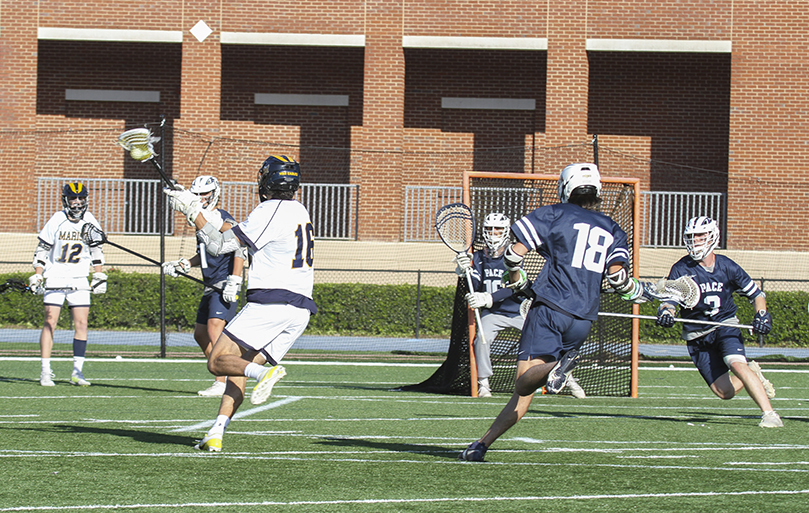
<point x="139" y="142"/>
<point x="14" y="284"/>
<point x="92" y="235"/>
<point x="455" y="225"/>
<point x="683" y="290"/>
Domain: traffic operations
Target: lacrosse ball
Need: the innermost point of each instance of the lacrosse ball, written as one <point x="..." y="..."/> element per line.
<point x="119" y="357"/>
<point x="139" y="153"/>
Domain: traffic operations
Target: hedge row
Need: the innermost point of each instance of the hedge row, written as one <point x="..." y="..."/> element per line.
<point x="354" y="309"/>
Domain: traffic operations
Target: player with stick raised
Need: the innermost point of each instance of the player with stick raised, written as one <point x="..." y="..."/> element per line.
<point x="222" y="275"/>
<point x="718" y="351"/>
<point x="279" y="237"/>
<point x="62" y="261"/>
<point x="579" y="245"/>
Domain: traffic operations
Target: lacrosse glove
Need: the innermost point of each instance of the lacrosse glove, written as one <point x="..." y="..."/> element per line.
<point x="762" y="322"/>
<point x="232" y="287"/>
<point x="98" y="285"/>
<point x="36" y="283"/>
<point x="176" y="266"/>
<point x="665" y="318"/>
<point x="464" y="261"/>
<point x="479" y="300"/>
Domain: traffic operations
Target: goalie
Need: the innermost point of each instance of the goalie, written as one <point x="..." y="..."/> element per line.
<point x="579" y="245"/>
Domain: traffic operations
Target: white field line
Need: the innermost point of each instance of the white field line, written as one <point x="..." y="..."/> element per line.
<point x="201" y="362"/>
<point x="531" y="498"/>
<point x="242" y="414"/>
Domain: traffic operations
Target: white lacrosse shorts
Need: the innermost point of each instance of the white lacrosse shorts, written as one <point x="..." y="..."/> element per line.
<point x="272" y="328"/>
<point x="79" y="297"/>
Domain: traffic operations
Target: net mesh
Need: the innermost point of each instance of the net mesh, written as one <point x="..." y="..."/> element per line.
<point x="456" y="226"/>
<point x="606" y="366"/>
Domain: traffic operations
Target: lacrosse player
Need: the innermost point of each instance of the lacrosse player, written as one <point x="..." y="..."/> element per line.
<point x="579" y="245"/>
<point x="718" y="351"/>
<point x="62" y="262"/>
<point x="278" y="235"/>
<point x="500" y="308"/>
<point x="215" y="308"/>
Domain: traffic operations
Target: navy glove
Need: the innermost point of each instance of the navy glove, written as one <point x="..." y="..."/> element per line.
<point x="762" y="322"/>
<point x="664" y="317"/>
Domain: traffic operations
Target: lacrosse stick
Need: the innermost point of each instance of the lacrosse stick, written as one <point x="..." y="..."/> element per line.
<point x="679" y="319"/>
<point x="455" y="225"/>
<point x="93" y="236"/>
<point x="139" y="142"/>
<point x="21" y="286"/>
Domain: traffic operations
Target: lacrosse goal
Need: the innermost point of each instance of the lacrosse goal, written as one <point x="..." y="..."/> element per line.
<point x="610" y="354"/>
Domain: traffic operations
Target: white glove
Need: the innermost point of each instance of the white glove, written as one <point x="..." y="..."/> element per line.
<point x="36" y="284"/>
<point x="172" y="268"/>
<point x="464" y="261"/>
<point x="98" y="285"/>
<point x="184" y="201"/>
<point x="479" y="300"/>
<point x="232" y="288"/>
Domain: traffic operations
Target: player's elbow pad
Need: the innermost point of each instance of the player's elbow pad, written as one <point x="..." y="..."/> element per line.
<point x="216" y="242"/>
<point x="97" y="255"/>
<point x="511" y="259"/>
<point x="629" y="288"/>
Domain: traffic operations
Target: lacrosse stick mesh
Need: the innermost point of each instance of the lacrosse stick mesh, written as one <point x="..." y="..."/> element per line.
<point x="92" y="236"/>
<point x="139" y="142"/>
<point x="605" y="368"/>
<point x="684" y="290"/>
<point x="455" y="225"/>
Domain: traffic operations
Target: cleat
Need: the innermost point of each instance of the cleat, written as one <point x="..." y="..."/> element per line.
<point x="211" y="443"/>
<point x="46" y="379"/>
<point x="770" y="419"/>
<point x="77" y="378"/>
<point x="557" y="378"/>
<point x="475" y="452"/>
<point x="263" y="388"/>
<point x="575" y="389"/>
<point x="215" y="390"/>
<point x="484" y="391"/>
<point x="755" y="367"/>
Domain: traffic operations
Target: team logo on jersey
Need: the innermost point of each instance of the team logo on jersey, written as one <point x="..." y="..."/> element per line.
<point x="714" y="286"/>
<point x="70" y="235"/>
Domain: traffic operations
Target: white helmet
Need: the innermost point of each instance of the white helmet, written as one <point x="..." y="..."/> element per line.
<point x="203" y="185"/>
<point x="495" y="241"/>
<point x="575" y="176"/>
<point x="699" y="249"/>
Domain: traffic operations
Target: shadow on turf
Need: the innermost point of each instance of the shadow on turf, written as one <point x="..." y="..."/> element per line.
<point x="95" y="386"/>
<point x="432" y="450"/>
<point x="149" y="437"/>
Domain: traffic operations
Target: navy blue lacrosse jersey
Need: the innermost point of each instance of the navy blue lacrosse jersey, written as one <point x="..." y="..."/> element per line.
<point x="487" y="276"/>
<point x="716" y="289"/>
<point x="578" y="245"/>
<point x="215" y="269"/>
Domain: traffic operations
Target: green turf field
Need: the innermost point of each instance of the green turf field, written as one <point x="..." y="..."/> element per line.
<point x="339" y="438"/>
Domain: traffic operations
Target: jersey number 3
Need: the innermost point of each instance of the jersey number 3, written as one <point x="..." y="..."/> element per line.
<point x="592" y="244"/>
<point x="306" y="246"/>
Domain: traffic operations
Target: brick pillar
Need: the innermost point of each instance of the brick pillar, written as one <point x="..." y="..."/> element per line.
<point x="200" y="86"/>
<point x="18" y="92"/>
<point x="377" y="160"/>
<point x="567" y="81"/>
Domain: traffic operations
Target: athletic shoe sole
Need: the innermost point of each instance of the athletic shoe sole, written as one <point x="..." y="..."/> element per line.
<point x="263" y="389"/>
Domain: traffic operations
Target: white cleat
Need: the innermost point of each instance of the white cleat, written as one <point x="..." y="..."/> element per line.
<point x="46" y="379"/>
<point x="77" y="378"/>
<point x="263" y="389"/>
<point x="755" y="367"/>
<point x="575" y="389"/>
<point x="484" y="391"/>
<point x="215" y="390"/>
<point x="770" y="419"/>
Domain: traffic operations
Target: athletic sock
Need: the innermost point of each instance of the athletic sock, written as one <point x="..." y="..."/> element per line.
<point x="219" y="425"/>
<point x="78" y="363"/>
<point x="254" y="370"/>
<point x="46" y="365"/>
<point x="79" y="347"/>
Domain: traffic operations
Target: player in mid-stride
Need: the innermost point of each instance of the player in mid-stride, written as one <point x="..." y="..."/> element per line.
<point x="718" y="351"/>
<point x="279" y="237"/>
<point x="579" y="244"/>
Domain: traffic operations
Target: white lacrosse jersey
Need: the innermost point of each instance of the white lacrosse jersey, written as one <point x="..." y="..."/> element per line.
<point x="69" y="256"/>
<point x="280" y="238"/>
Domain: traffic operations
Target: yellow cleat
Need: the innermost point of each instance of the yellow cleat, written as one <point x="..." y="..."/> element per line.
<point x="211" y="443"/>
<point x="263" y="389"/>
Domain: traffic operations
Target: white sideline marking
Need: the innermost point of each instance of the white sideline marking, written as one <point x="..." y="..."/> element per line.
<point x="413" y="501"/>
<point x="242" y="414"/>
<point x="200" y="361"/>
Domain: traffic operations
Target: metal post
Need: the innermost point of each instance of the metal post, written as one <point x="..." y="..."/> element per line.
<point x="162" y="228"/>
<point x="418" y="302"/>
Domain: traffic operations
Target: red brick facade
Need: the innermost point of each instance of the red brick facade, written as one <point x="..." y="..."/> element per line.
<point x="730" y="121"/>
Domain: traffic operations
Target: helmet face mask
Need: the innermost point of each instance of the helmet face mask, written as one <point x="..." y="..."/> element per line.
<point x="701" y="237"/>
<point x="207" y="188"/>
<point x="74" y="200"/>
<point x="578" y="179"/>
<point x="496" y="231"/>
<point x="278" y="174"/>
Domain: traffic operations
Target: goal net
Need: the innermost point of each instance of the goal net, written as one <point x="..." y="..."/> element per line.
<point x="609" y="363"/>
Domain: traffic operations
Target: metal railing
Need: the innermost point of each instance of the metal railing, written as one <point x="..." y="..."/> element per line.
<point x="664" y="214"/>
<point x="130" y="206"/>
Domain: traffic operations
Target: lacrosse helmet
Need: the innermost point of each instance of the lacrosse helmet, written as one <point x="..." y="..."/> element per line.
<point x="278" y="173"/>
<point x="203" y="185"/>
<point x="701" y="236"/>
<point x="579" y="179"/>
<point x="70" y="192"/>
<point x="496" y="222"/>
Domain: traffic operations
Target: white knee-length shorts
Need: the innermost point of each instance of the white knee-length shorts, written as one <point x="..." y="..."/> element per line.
<point x="270" y="329"/>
